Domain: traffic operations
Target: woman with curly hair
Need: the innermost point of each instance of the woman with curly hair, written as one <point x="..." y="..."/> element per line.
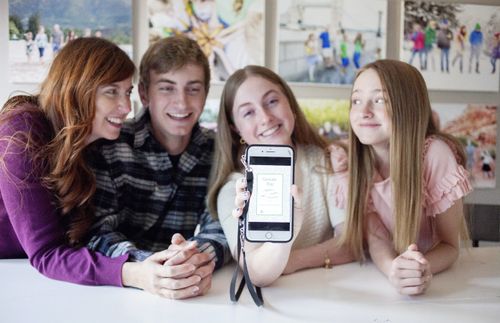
<point x="46" y="184"/>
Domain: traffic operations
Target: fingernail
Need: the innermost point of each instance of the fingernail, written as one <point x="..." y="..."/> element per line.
<point x="196" y="289"/>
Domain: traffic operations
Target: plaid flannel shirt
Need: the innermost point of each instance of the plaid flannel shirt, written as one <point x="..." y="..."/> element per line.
<point x="142" y="199"/>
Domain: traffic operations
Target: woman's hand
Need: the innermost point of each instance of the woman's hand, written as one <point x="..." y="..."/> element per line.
<point x="267" y="261"/>
<point x="298" y="212"/>
<point x="243" y="196"/>
<point x="410" y="272"/>
<point x="170" y="273"/>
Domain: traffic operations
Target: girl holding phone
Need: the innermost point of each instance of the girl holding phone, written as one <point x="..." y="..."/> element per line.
<point x="407" y="178"/>
<point x="258" y="107"/>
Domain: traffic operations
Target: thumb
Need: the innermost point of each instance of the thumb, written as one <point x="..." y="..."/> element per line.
<point x="417" y="255"/>
<point x="413" y="247"/>
<point x="177" y="238"/>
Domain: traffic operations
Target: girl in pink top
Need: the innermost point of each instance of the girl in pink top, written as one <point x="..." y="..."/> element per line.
<point x="406" y="178"/>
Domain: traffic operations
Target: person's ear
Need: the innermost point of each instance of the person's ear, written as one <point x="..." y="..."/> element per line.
<point x="143" y="94"/>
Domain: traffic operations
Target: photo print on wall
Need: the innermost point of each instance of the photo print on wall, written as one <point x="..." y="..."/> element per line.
<point x="455" y="46"/>
<point x="475" y="125"/>
<point x="39" y="29"/>
<point x="230" y="32"/>
<point x="329" y="116"/>
<point x="327" y="41"/>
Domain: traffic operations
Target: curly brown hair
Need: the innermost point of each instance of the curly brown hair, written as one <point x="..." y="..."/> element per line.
<point x="67" y="101"/>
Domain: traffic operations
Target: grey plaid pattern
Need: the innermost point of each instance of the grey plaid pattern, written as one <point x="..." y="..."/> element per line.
<point x="142" y="199"/>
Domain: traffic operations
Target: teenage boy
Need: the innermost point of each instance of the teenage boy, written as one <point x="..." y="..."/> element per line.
<point x="152" y="181"/>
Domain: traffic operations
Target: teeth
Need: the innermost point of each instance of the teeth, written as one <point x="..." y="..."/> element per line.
<point x="179" y="115"/>
<point x="115" y="120"/>
<point x="269" y="132"/>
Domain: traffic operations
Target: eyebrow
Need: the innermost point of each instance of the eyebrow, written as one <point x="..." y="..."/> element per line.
<point x="164" y="80"/>
<point x="373" y="91"/>
<point x="269" y="92"/>
<point x="115" y="85"/>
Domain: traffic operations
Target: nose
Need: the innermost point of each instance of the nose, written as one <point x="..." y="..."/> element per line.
<point x="367" y="111"/>
<point x="125" y="104"/>
<point x="265" y="116"/>
<point x="180" y="100"/>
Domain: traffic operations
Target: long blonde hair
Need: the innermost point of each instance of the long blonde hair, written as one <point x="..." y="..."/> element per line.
<point x="67" y="103"/>
<point x="228" y="148"/>
<point x="409" y="108"/>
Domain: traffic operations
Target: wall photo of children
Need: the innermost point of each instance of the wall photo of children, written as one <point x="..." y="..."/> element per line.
<point x="39" y="29"/>
<point x="455" y="46"/>
<point x="475" y="125"/>
<point x="327" y="41"/>
<point x="229" y="31"/>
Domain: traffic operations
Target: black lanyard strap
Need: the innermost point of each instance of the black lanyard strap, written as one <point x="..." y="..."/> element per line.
<point x="255" y="291"/>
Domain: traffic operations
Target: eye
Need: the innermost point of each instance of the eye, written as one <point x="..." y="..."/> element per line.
<point x="379" y="100"/>
<point x="111" y="91"/>
<point x="272" y="102"/>
<point x="247" y="113"/>
<point x="167" y="88"/>
<point x="193" y="90"/>
<point x="355" y="101"/>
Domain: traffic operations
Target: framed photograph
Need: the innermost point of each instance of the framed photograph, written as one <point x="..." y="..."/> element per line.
<point x="39" y="29"/>
<point x="475" y="125"/>
<point x="230" y="32"/>
<point x="330" y="117"/>
<point x="455" y="46"/>
<point x="327" y="41"/>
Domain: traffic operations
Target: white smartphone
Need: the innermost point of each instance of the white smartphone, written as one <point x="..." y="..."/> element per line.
<point x="270" y="211"/>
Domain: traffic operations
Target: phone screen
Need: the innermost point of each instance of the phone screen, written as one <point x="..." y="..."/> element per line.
<point x="271" y="204"/>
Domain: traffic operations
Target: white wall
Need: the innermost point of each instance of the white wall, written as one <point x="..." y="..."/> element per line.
<point x="486" y="196"/>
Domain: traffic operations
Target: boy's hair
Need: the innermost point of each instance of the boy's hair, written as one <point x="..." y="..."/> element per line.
<point x="170" y="54"/>
<point x="409" y="109"/>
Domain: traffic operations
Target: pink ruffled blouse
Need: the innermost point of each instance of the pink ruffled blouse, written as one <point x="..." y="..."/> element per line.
<point x="445" y="181"/>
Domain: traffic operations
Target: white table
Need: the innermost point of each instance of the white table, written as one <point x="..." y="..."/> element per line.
<point x="468" y="292"/>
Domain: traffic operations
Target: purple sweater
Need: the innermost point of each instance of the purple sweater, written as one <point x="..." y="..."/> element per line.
<point x="30" y="225"/>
